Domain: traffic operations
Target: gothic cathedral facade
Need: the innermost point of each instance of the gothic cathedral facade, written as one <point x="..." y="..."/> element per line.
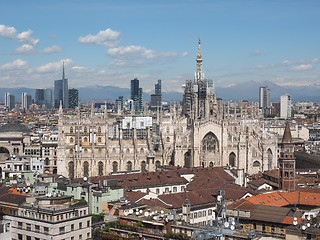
<point x="201" y="132"/>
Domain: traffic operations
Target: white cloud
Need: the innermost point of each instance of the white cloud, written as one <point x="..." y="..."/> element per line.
<point x="260" y="67"/>
<point x="52" y="49"/>
<point x="25" y="49"/>
<point x="106" y="37"/>
<point x="255" y="53"/>
<point x="8" y="32"/>
<point x="53" y="66"/>
<point x="11" y="33"/>
<point x="286" y="63"/>
<point x="136" y="55"/>
<point x="15" y="65"/>
<point x="26" y="37"/>
<point x="184" y="54"/>
<point x="302" y="67"/>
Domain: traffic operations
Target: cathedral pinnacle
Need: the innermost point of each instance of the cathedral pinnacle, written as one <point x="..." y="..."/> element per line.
<point x="199" y="63"/>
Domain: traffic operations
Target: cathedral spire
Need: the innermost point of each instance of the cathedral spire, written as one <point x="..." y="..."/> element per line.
<point x="199" y="63"/>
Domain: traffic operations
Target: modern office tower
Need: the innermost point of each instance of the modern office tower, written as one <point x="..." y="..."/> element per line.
<point x="26" y="100"/>
<point x="48" y="97"/>
<point x="119" y="104"/>
<point x="73" y="98"/>
<point x="61" y="92"/>
<point x="39" y="97"/>
<point x="285" y="106"/>
<point x="156" y="98"/>
<point x="9" y="100"/>
<point x="44" y="97"/>
<point x="264" y="100"/>
<point x="136" y="95"/>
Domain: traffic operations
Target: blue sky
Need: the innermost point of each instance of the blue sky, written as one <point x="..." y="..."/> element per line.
<point x="111" y="42"/>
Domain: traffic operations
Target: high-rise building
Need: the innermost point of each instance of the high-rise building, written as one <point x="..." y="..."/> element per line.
<point x="136" y="95"/>
<point x="285" y="106"/>
<point x="264" y="100"/>
<point x="61" y="92"/>
<point x="156" y="98"/>
<point x="44" y="97"/>
<point x="73" y="98"/>
<point x="119" y="104"/>
<point x="9" y="100"/>
<point x="26" y="100"/>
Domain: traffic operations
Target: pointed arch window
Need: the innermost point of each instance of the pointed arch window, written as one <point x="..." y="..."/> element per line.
<point x="86" y="169"/>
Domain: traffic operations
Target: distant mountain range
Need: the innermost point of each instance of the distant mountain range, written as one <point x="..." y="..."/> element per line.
<point x="243" y="91"/>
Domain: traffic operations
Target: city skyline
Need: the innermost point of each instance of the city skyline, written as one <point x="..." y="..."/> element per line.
<point x="108" y="43"/>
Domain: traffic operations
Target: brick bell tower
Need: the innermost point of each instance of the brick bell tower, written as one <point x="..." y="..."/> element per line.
<point x="287" y="162"/>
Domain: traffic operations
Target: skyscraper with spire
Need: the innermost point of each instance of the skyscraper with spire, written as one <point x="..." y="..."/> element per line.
<point x="61" y="91"/>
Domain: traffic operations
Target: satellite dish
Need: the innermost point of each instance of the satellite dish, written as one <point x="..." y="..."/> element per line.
<point x="232" y="227"/>
<point x="140" y="211"/>
<point x="226" y="224"/>
<point x="304" y="227"/>
<point x="308" y="225"/>
<point x="155" y="218"/>
<point x="295" y="222"/>
<point x="126" y="213"/>
<point x="146" y="214"/>
<point x="233" y="223"/>
<point x="162" y="212"/>
<point x="130" y="211"/>
<point x="85" y="179"/>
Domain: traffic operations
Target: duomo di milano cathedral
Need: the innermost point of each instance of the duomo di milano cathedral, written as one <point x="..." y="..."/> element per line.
<point x="203" y="132"/>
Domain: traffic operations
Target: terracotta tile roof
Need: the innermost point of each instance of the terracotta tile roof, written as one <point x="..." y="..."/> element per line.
<point x="289" y="220"/>
<point x="257" y="182"/>
<point x="11" y="195"/>
<point x="133" y="196"/>
<point x="195" y="197"/>
<point x="232" y="191"/>
<point x="13" y="198"/>
<point x="213" y="172"/>
<point x="137" y="180"/>
<point x="151" y="203"/>
<point x="281" y="199"/>
<point x="308" y="198"/>
<point x="242" y="204"/>
<point x="271" y="199"/>
<point x="272" y="173"/>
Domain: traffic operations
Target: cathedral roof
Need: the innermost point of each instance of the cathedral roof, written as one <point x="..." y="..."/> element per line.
<point x="287" y="134"/>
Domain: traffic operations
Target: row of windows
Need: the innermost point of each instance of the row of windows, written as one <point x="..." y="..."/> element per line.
<point x="48" y="217"/>
<point x="263" y="228"/>
<point x="85" y="129"/>
<point x="174" y="189"/>
<point x="20" y="237"/>
<point x="45" y="230"/>
<point x="200" y="214"/>
<point x="85" y="139"/>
